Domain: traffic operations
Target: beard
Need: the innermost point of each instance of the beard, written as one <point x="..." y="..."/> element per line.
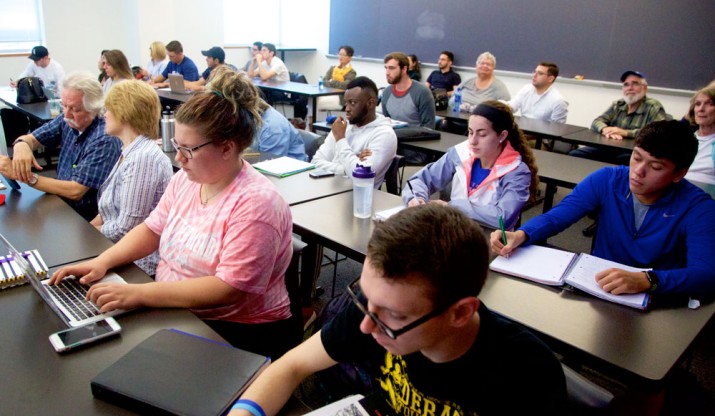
<point x="632" y="99"/>
<point x="397" y="79"/>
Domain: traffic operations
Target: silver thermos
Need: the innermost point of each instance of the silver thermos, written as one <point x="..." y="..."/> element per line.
<point x="167" y="129"/>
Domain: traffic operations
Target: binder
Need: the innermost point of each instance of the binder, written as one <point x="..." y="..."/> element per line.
<point x="177" y="373"/>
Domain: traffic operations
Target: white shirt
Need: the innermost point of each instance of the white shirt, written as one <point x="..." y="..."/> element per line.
<point x="703" y="167"/>
<point x="156" y="68"/>
<point x="279" y="67"/>
<point x="51" y="76"/>
<point x="549" y="106"/>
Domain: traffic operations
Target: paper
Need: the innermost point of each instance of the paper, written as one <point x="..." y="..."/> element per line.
<point x="283" y="166"/>
<point x="540" y="264"/>
<point x="387" y="213"/>
<point x="348" y="406"/>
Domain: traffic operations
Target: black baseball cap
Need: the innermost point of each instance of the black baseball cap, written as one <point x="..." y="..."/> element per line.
<point x="631" y="72"/>
<point x="38" y="52"/>
<point x="216" y="53"/>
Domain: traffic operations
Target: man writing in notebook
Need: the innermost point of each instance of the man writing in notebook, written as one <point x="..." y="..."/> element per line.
<point x="648" y="217"/>
<point x="415" y="324"/>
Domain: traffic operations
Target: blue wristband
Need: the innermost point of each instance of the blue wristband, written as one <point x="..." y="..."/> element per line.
<point x="253" y="407"/>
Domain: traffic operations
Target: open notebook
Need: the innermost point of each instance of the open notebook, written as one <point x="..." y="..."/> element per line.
<point x="555" y="267"/>
<point x="283" y="166"/>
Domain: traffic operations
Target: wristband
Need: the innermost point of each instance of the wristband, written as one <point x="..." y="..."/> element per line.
<point x="250" y="406"/>
<point x="18" y="140"/>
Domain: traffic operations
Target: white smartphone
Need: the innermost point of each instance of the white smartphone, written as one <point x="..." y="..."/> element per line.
<point x="72" y="338"/>
<point x="315" y="174"/>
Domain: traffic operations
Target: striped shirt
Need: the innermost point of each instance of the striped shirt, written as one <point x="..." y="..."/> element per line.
<point x="85" y="157"/>
<point x="132" y="190"/>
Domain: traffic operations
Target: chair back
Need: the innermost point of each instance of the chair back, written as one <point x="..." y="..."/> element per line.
<point x="298" y="77"/>
<point x="393" y="184"/>
<point x="311" y="141"/>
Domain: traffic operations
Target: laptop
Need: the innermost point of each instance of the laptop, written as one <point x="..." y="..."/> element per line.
<point x="10" y="182"/>
<point x="67" y="299"/>
<point x="176" y="84"/>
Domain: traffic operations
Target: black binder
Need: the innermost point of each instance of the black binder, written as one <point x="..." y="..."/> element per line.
<point x="416" y="133"/>
<point x="176" y="373"/>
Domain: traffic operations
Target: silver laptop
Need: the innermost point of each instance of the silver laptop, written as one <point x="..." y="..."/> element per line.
<point x="176" y="84"/>
<point x="67" y="299"/>
<point x="10" y="182"/>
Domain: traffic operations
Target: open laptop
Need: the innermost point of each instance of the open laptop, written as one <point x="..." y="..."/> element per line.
<point x="176" y="84"/>
<point x="66" y="299"/>
<point x="10" y="182"/>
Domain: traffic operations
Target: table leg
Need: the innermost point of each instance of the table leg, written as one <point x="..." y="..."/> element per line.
<point x="549" y="197"/>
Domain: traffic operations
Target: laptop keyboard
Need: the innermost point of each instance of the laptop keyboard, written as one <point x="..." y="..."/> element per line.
<point x="72" y="294"/>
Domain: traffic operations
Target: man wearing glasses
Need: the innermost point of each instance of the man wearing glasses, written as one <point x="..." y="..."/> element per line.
<point x="255" y="50"/>
<point x="624" y="118"/>
<point x="416" y="325"/>
<point x="87" y="152"/>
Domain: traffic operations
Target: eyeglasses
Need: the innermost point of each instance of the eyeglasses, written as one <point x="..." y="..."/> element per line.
<point x="634" y="84"/>
<point x="392" y="333"/>
<point x="188" y="152"/>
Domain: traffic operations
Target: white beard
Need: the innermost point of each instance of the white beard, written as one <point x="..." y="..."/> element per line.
<point x="632" y="99"/>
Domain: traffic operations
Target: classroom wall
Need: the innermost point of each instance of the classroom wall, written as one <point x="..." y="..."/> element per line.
<point x="77" y="31"/>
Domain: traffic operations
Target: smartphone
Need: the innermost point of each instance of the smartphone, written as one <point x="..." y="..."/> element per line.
<point x="321" y="174"/>
<point x="72" y="338"/>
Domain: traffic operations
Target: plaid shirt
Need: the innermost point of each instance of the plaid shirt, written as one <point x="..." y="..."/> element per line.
<point x="85" y="158"/>
<point x="617" y="115"/>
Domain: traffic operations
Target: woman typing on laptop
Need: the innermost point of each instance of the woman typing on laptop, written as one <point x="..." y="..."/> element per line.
<point x="222" y="230"/>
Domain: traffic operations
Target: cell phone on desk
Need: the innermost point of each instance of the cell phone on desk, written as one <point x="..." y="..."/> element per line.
<point x="70" y="339"/>
<point x="321" y="174"/>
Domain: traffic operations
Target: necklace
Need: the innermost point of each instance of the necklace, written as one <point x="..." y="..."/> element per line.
<point x="203" y="196"/>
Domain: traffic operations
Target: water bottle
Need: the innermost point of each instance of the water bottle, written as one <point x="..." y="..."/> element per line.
<point x="457" y="99"/>
<point x="167" y="129"/>
<point x="320" y="83"/>
<point x="363" y="187"/>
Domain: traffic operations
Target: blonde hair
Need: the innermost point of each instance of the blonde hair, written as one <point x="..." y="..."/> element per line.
<point x="157" y="51"/>
<point x="709" y="92"/>
<point x="135" y="103"/>
<point x="229" y="109"/>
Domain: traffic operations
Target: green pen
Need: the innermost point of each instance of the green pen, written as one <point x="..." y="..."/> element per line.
<point x="503" y="232"/>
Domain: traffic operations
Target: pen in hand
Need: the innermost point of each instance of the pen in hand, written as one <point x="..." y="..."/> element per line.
<point x="414" y="196"/>
<point x="503" y="232"/>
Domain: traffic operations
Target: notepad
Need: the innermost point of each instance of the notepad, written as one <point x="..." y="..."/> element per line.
<point x="387" y="213"/>
<point x="555" y="267"/>
<point x="12" y="274"/>
<point x="283" y="166"/>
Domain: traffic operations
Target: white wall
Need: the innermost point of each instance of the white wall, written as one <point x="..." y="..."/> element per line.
<point x="78" y="30"/>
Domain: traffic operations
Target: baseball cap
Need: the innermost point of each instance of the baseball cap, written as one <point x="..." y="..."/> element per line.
<point x="631" y="72"/>
<point x="38" y="52"/>
<point x="215" y="52"/>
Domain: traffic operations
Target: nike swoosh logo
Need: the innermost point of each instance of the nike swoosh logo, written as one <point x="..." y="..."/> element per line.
<point x="668" y="215"/>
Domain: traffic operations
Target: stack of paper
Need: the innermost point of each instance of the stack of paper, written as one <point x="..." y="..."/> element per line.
<point x="283" y="166"/>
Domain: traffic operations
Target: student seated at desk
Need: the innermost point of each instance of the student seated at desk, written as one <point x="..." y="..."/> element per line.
<point x="116" y="67"/>
<point x="222" y="230"/>
<point x="702" y="115"/>
<point x="425" y="343"/>
<point x="648" y="217"/>
<point x="493" y="172"/>
<point x="137" y="182"/>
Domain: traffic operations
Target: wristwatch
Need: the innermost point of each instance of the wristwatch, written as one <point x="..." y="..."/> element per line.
<point x="652" y="279"/>
<point x="19" y="141"/>
<point x="33" y="181"/>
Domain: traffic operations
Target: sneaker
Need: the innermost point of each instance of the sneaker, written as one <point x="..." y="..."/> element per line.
<point x="309" y="316"/>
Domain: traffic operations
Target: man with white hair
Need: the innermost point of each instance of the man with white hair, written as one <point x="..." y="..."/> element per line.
<point x="87" y="153"/>
<point x="624" y="119"/>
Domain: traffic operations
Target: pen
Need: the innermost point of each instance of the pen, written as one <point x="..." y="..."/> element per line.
<point x="410" y="186"/>
<point x="501" y="226"/>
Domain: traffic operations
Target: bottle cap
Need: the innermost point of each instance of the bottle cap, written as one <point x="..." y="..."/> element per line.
<point x="363" y="172"/>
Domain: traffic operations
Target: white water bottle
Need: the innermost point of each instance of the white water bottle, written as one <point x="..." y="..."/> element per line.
<point x="363" y="187"/>
<point x="320" y="83"/>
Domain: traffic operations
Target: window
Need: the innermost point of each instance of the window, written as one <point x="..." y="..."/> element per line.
<point x="21" y="25"/>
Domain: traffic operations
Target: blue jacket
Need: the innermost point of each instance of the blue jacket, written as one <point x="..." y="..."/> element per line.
<point x="676" y="239"/>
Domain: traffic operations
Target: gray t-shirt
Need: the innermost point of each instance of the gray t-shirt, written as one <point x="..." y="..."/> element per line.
<point x="471" y="95"/>
<point x="416" y="107"/>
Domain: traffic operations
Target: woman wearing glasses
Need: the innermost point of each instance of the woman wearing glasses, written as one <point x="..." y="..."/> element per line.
<point x="340" y="75"/>
<point x="222" y="230"/>
<point x="140" y="176"/>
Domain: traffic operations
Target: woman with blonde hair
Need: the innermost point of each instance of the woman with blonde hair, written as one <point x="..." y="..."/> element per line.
<point x="138" y="180"/>
<point x="702" y="115"/>
<point x="116" y="67"/>
<point x="223" y="231"/>
<point x="493" y="173"/>
<point x="158" y="61"/>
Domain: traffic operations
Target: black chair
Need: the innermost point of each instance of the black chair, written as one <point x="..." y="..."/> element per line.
<point x="299" y="102"/>
<point x="312" y="142"/>
<point x="394" y="175"/>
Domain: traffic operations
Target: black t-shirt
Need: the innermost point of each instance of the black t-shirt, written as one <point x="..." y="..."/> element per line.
<point x="507" y="371"/>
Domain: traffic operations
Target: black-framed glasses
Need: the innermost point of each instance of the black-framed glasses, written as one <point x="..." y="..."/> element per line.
<point x="392" y="333"/>
<point x="188" y="152"/>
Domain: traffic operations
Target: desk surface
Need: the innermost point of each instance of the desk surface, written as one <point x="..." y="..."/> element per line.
<point x="38" y="111"/>
<point x="621" y="341"/>
<point x="297" y="88"/>
<point x="37" y="380"/>
<point x="591" y="138"/>
<point x="31" y="219"/>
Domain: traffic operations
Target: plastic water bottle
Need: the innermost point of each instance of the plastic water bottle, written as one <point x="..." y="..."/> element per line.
<point x="320" y="83"/>
<point x="363" y="187"/>
<point x="457" y="99"/>
<point x="167" y="129"/>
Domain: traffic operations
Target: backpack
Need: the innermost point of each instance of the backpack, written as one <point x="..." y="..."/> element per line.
<point x="441" y="98"/>
<point x="29" y="90"/>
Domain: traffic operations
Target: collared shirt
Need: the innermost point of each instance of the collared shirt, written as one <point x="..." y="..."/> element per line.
<point x="617" y="115"/>
<point x="549" y="106"/>
<point x="187" y="68"/>
<point x="446" y="80"/>
<point x="85" y="157"/>
<point x="132" y="190"/>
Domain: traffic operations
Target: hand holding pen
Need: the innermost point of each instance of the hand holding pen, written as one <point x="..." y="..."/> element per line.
<point x="415" y="200"/>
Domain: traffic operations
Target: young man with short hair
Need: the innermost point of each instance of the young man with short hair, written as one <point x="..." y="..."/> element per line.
<point x="269" y="66"/>
<point x="416" y="325"/>
<point x="648" y="217"/>
<point x="444" y="77"/>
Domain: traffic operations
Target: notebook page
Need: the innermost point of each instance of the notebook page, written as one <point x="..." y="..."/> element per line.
<point x="541" y="264"/>
<point x="583" y="276"/>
